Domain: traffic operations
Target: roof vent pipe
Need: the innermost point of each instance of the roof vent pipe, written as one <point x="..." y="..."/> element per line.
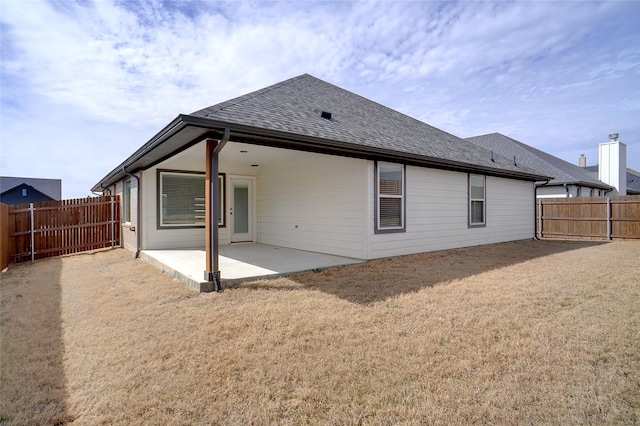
<point x="492" y="160"/>
<point x="515" y="163"/>
<point x="326" y="114"/>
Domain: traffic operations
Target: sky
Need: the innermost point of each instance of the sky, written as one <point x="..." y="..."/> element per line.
<point x="83" y="84"/>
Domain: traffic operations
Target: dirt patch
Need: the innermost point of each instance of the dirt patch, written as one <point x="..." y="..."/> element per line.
<point x="537" y="332"/>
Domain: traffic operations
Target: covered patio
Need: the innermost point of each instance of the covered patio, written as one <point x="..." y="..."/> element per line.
<point x="240" y="263"/>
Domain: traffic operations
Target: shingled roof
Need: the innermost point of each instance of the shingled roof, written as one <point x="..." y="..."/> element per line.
<point x="290" y="115"/>
<point x="295" y="106"/>
<point x="633" y="178"/>
<point x="562" y="171"/>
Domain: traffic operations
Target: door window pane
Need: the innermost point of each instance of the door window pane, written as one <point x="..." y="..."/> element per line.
<point x="241" y="209"/>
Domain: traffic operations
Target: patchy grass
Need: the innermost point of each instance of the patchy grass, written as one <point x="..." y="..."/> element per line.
<point x="536" y="332"/>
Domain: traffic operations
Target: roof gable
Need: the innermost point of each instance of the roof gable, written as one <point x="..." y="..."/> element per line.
<point x="562" y="171"/>
<point x="16" y="195"/>
<point x="296" y="105"/>
<point x="49" y="187"/>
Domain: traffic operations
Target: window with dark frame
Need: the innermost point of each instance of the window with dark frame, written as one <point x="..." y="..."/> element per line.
<point x="126" y="191"/>
<point x="182" y="199"/>
<point x="390" y="195"/>
<point x="477" y="207"/>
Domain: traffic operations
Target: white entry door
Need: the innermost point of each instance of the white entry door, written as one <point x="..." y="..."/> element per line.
<point x="241" y="215"/>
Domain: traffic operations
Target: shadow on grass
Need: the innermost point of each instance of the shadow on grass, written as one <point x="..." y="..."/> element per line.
<point x="379" y="280"/>
<point x="32" y="378"/>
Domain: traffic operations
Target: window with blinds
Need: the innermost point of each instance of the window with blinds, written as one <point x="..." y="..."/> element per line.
<point x="182" y="199"/>
<point x="390" y="197"/>
<point x="476" y="200"/>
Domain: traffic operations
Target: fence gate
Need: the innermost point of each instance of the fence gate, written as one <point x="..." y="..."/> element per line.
<point x="592" y="218"/>
<point x="54" y="228"/>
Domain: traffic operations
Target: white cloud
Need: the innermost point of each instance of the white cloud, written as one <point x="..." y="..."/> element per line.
<point x="526" y="69"/>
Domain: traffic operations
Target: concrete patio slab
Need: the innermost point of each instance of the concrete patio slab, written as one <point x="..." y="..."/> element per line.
<point x="240" y="263"/>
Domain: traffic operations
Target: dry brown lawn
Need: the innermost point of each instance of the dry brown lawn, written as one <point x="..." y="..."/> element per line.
<point x="518" y="333"/>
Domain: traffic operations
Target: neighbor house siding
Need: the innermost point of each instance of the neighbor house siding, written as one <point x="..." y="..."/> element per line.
<point x="553" y="191"/>
<point x="561" y="191"/>
<point x="437" y="209"/>
<point x="316" y="203"/>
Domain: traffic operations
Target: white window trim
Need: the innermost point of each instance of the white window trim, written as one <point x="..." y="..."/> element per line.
<point x="389" y="229"/>
<point x="484" y="202"/>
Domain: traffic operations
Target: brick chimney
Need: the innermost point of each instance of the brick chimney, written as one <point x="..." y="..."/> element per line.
<point x="582" y="161"/>
<point x="612" y="168"/>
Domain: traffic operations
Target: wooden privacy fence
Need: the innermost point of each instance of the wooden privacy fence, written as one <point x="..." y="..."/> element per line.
<point x="54" y="228"/>
<point x="592" y="218"/>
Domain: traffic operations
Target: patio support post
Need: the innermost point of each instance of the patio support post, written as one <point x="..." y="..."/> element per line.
<point x="212" y="272"/>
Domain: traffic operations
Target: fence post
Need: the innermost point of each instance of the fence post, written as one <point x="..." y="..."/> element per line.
<point x="608" y="218"/>
<point x="113" y="220"/>
<point x="33" y="248"/>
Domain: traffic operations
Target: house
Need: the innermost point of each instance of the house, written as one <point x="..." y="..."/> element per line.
<point x="20" y="190"/>
<point x="568" y="180"/>
<point x="307" y="165"/>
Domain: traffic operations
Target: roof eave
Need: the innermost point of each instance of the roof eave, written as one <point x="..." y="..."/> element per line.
<point x="582" y="183"/>
<point x="282" y="139"/>
<point x="240" y="132"/>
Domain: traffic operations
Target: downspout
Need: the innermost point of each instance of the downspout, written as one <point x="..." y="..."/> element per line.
<point x="214" y="274"/>
<point x="105" y="189"/>
<point x="535" y="209"/>
<point x="138" y="203"/>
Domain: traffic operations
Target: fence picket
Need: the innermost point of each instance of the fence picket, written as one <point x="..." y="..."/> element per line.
<point x="594" y="218"/>
<point x="63" y="227"/>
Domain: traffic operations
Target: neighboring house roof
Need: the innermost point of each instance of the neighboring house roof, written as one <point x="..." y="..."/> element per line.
<point x="562" y="171"/>
<point x="633" y="182"/>
<point x="288" y="115"/>
<point x="23" y="193"/>
<point x="633" y="178"/>
<point x="49" y="187"/>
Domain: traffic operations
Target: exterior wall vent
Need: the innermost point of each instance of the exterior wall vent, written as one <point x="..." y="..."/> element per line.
<point x="326" y="114"/>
